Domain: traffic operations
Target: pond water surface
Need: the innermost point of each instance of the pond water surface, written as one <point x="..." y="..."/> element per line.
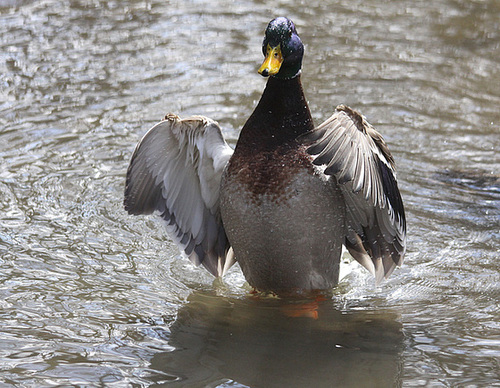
<point x="90" y="296"/>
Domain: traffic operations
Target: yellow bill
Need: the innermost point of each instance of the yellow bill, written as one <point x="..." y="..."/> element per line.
<point x="272" y="62"/>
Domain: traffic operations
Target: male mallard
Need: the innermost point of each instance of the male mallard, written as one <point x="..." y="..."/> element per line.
<point x="287" y="198"/>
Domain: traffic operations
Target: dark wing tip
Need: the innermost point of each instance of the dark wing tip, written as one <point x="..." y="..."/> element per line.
<point x="391" y="190"/>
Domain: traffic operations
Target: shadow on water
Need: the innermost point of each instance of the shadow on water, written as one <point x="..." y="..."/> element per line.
<point x="478" y="180"/>
<point x="269" y="342"/>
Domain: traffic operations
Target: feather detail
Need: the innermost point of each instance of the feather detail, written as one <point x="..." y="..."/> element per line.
<point x="359" y="159"/>
<point x="175" y="171"/>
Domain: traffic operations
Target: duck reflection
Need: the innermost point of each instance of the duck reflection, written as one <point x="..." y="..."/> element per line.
<point x="272" y="342"/>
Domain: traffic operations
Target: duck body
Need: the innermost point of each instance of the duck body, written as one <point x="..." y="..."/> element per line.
<point x="289" y="196"/>
<point x="285" y="236"/>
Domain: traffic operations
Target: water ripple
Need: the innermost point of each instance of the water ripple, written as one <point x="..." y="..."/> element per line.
<point x="90" y="296"/>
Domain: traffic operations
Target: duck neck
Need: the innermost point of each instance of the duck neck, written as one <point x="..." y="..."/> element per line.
<point x="281" y="115"/>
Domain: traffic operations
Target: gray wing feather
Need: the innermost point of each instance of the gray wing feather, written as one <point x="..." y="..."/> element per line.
<point x="359" y="159"/>
<point x="175" y="171"/>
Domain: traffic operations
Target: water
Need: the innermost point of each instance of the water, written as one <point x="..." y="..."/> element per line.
<point x="90" y="296"/>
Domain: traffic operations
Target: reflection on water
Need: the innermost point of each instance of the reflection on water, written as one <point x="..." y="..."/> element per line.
<point x="90" y="296"/>
<point x="259" y="343"/>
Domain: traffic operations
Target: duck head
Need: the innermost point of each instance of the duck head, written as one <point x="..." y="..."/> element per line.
<point x="283" y="50"/>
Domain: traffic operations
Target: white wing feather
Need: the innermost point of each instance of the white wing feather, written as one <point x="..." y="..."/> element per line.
<point x="358" y="157"/>
<point x="176" y="171"/>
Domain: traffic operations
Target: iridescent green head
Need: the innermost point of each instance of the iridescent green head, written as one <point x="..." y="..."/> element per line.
<point x="283" y="50"/>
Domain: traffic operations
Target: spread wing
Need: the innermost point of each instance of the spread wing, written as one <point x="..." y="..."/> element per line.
<point x="359" y="159"/>
<point x="176" y="171"/>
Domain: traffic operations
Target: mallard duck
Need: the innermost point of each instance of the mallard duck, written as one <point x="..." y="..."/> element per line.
<point x="289" y="196"/>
